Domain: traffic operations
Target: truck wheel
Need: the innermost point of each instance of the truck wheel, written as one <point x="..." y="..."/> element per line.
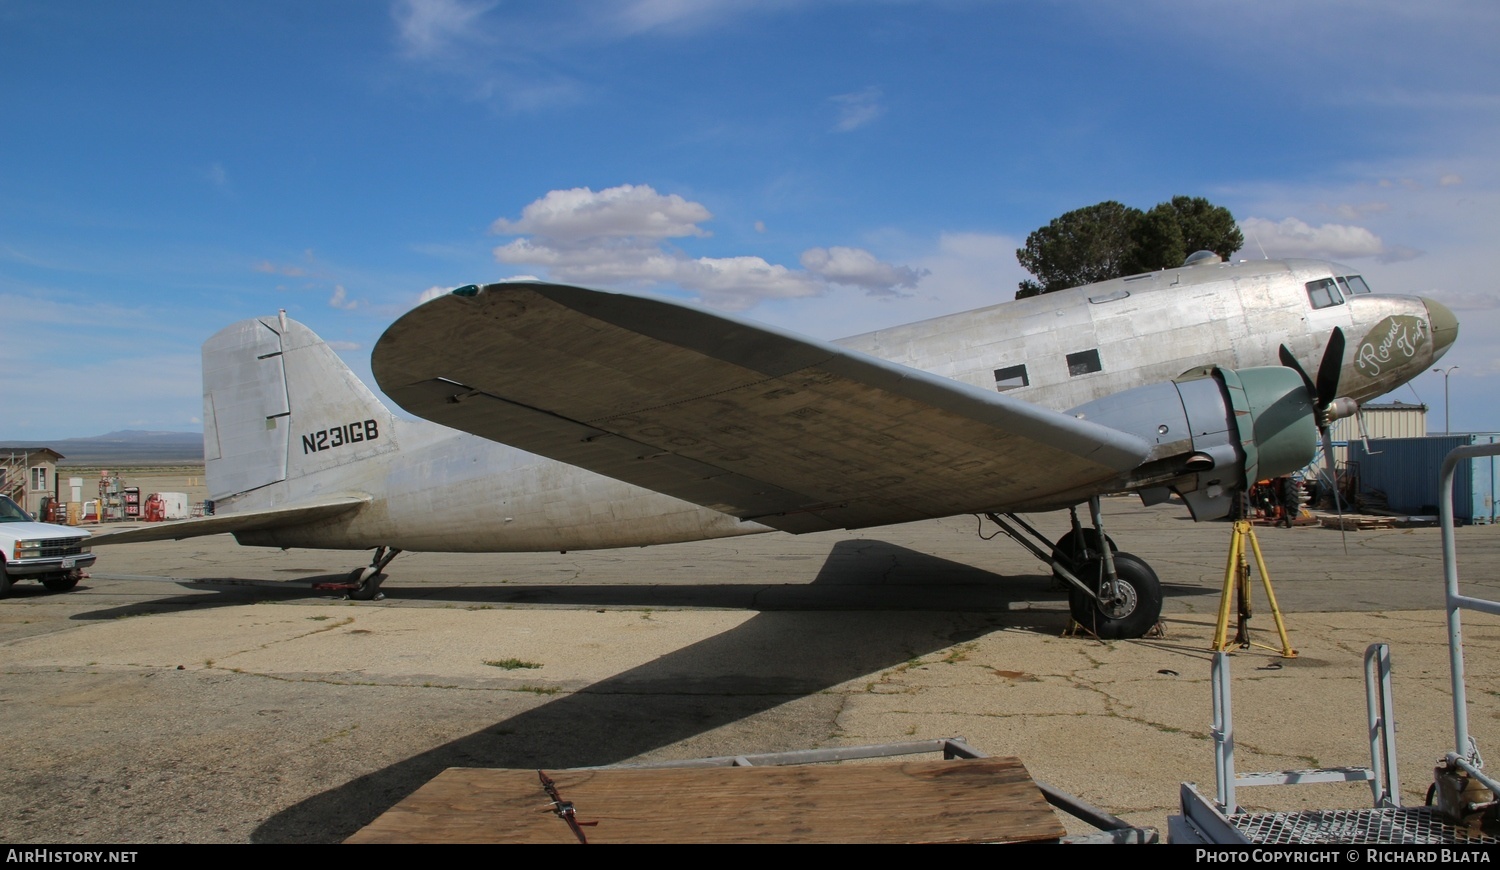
<point x="4" y="579"/>
<point x="60" y="582"/>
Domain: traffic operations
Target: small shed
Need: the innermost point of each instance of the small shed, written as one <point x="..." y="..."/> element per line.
<point x="28" y="475"/>
<point x="1401" y="475"/>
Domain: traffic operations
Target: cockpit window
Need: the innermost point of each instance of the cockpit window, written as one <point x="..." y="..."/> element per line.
<point x="1324" y="293"/>
<point x="1353" y="285"/>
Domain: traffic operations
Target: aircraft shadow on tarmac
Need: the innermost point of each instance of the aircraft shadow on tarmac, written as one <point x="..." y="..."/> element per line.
<point x="791" y="652"/>
<point x="857" y="574"/>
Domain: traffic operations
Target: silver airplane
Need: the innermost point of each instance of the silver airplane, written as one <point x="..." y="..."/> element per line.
<point x="560" y="418"/>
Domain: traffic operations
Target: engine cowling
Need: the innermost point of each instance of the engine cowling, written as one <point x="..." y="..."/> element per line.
<point x="1217" y="431"/>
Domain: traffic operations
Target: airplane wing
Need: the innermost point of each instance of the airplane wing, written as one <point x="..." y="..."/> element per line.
<point x="791" y="432"/>
<point x="243" y="521"/>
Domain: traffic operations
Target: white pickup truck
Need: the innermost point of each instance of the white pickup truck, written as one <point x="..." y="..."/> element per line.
<point x="55" y="555"/>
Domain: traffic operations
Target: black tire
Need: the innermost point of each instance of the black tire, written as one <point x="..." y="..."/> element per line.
<point x="1136" y="613"/>
<point x="1073" y="557"/>
<point x="5" y="581"/>
<point x="365" y="588"/>
<point x="61" y="582"/>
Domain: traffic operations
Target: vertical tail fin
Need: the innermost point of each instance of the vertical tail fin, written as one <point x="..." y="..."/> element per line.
<point x="278" y="403"/>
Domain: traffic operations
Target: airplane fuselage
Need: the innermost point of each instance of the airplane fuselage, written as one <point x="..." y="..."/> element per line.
<point x="436" y="489"/>
<point x="1067" y="348"/>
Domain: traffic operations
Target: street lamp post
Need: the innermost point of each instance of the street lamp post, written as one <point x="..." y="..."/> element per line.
<point x="1447" y="418"/>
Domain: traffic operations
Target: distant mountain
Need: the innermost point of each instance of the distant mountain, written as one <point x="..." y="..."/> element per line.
<point x="126" y="447"/>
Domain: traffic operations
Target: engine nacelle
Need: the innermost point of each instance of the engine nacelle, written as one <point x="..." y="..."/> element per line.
<point x="1217" y="431"/>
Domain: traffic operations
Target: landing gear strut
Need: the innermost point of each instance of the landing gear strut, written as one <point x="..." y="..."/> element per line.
<point x="365" y="582"/>
<point x="1114" y="595"/>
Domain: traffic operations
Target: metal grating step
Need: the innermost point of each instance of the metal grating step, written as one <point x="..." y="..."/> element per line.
<point x="1404" y="825"/>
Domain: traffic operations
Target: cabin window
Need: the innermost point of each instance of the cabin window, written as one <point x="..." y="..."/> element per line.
<point x="1353" y="285"/>
<point x="1011" y="378"/>
<point x="39" y="478"/>
<point x="1323" y="293"/>
<point x="1083" y="362"/>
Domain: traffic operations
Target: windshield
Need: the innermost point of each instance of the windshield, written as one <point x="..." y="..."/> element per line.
<point x="10" y="512"/>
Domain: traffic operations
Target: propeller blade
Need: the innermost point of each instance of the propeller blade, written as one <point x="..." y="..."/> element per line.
<point x="1331" y="473"/>
<point x="1329" y="369"/>
<point x="1290" y="361"/>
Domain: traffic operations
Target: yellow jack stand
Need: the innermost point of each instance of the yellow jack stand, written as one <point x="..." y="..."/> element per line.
<point x="1237" y="585"/>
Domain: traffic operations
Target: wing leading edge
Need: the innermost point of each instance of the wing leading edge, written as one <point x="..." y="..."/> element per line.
<point x="762" y="424"/>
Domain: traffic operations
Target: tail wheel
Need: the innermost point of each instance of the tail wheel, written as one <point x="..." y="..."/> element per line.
<point x="1134" y="610"/>
<point x="366" y="583"/>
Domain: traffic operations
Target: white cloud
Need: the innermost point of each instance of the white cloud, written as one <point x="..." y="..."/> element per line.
<point x="493" y="60"/>
<point x="1360" y="211"/>
<point x="1292" y="237"/>
<point x="624" y="211"/>
<point x="619" y="235"/>
<point x="638" y="16"/>
<point x="430" y="28"/>
<point x="738" y="283"/>
<point x="859" y="268"/>
<point x="963" y="272"/>
<point x="340" y="299"/>
<point x="971" y="270"/>
<point x="731" y="283"/>
<point x="858" y="108"/>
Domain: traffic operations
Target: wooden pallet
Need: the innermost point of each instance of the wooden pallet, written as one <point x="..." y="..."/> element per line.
<point x="1359" y="523"/>
<point x="967" y="801"/>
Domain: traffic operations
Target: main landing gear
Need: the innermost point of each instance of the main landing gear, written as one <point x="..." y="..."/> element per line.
<point x="364" y="583"/>
<point x="1112" y="594"/>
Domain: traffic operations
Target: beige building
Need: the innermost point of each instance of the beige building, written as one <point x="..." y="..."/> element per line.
<point x="28" y="474"/>
<point x="1391" y="420"/>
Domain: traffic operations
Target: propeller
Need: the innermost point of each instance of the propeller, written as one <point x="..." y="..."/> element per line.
<point x="1327" y="405"/>
<point x="1325" y="391"/>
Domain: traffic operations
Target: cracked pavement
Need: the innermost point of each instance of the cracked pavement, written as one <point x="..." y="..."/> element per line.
<point x="147" y="707"/>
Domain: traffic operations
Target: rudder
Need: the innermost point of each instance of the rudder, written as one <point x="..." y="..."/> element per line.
<point x="279" y="403"/>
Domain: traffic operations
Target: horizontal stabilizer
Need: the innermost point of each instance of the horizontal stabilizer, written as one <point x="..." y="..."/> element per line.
<point x="300" y="513"/>
<point x="743" y="418"/>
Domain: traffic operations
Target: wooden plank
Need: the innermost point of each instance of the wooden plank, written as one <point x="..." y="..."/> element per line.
<point x="1358" y="523"/>
<point x="972" y="801"/>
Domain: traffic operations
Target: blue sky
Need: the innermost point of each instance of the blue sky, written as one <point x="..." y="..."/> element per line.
<point x="167" y="168"/>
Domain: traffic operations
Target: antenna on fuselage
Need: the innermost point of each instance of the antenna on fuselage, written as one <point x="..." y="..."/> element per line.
<point x="1259" y="245"/>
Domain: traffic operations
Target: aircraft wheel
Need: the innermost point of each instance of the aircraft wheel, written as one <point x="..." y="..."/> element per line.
<point x="61" y="582"/>
<point x="1067" y="551"/>
<point x="1133" y="613"/>
<point x="366" y="584"/>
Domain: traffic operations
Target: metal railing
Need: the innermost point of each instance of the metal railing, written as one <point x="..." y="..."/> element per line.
<point x="1465" y="754"/>
<point x="1385" y="786"/>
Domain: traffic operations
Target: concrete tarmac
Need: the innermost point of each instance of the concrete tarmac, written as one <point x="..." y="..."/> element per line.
<point x="198" y="691"/>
